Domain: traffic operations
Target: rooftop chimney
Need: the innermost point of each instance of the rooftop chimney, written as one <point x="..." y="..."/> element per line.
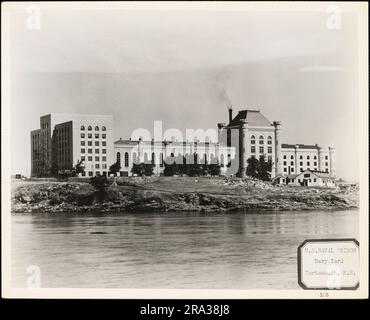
<point x="230" y="108"/>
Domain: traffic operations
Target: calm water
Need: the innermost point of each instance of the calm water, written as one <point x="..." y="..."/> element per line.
<point x="181" y="250"/>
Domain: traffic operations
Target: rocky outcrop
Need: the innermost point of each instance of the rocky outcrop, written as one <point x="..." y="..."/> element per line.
<point x="149" y="195"/>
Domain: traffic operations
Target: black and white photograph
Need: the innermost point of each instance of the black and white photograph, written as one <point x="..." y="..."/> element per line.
<point x="189" y="149"/>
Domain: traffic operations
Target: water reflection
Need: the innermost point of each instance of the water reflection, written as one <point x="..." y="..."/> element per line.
<point x="165" y="250"/>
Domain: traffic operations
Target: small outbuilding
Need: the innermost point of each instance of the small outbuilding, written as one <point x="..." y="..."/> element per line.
<point x="307" y="178"/>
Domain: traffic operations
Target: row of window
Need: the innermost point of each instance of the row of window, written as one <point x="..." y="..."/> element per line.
<point x="83" y="150"/>
<point x="89" y="128"/>
<point x="261" y="149"/>
<point x="97" y="143"/>
<point x="301" y="157"/>
<point x="89" y="136"/>
<point x="261" y="140"/>
<point x="90" y="158"/>
<point x="301" y="163"/>
<point x="134" y="156"/>
<point x="301" y="169"/>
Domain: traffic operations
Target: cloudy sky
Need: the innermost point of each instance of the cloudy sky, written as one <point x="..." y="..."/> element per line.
<point x="183" y="67"/>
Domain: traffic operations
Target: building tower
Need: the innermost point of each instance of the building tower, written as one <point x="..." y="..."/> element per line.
<point x="296" y="170"/>
<point x="331" y="162"/>
<point x="278" y="160"/>
<point x="243" y="147"/>
<point x="319" y="157"/>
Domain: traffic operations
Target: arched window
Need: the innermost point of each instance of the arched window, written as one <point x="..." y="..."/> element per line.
<point x="96" y="128"/>
<point x="153" y="158"/>
<point x="292" y="157"/>
<point x="269" y="140"/>
<point x="103" y="128"/>
<point x="261" y="140"/>
<point x="126" y="159"/>
<point x="195" y="158"/>
<point x="119" y="158"/>
<point x="314" y="157"/>
<point x="253" y="140"/>
<point x="308" y="157"/>
<point x="82" y="128"/>
<point x="205" y="159"/>
<point x="89" y="128"/>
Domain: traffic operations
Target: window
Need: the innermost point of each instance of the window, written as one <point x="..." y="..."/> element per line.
<point x="161" y="160"/>
<point x="83" y="158"/>
<point x="292" y="180"/>
<point x="126" y="159"/>
<point x="89" y="143"/>
<point x="90" y="174"/>
<point x="284" y="157"/>
<point x="253" y="149"/>
<point x="89" y="128"/>
<point x="314" y="180"/>
<point x="308" y="157"/>
<point x="103" y="128"/>
<point x="96" y="135"/>
<point x="269" y="158"/>
<point x="153" y="158"/>
<point x="308" y="163"/>
<point x="97" y="166"/>
<point x="104" y="166"/>
<point x="253" y="140"/>
<point x="301" y="170"/>
<point x="82" y="135"/>
<point x="326" y="164"/>
<point x="284" y="169"/>
<point x="261" y="140"/>
<point x="284" y="163"/>
<point x="269" y="140"/>
<point x="82" y="143"/>
<point x="262" y="150"/>
<point x="326" y="157"/>
<point x="315" y="163"/>
<point x="89" y="135"/>
<point x="292" y="170"/>
<point x="104" y="143"/>
<point x="301" y="163"/>
<point x="97" y="150"/>
<point x="104" y="158"/>
<point x="82" y="128"/>
<point x="314" y="157"/>
<point x="118" y="158"/>
<point x="89" y="151"/>
<point x="104" y="151"/>
<point x="269" y="149"/>
<point x="89" y="158"/>
<point x="300" y="157"/>
<point x="291" y="163"/>
<point x="83" y="150"/>
<point x="96" y="128"/>
<point x="103" y="135"/>
<point x="96" y="158"/>
<point x="97" y="143"/>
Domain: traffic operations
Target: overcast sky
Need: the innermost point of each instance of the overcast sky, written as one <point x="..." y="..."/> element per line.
<point x="182" y="67"/>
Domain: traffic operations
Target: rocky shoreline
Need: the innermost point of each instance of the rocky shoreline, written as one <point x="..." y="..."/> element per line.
<point x="175" y="194"/>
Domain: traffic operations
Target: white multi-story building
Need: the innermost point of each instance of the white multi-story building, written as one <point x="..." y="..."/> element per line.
<point x="65" y="139"/>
